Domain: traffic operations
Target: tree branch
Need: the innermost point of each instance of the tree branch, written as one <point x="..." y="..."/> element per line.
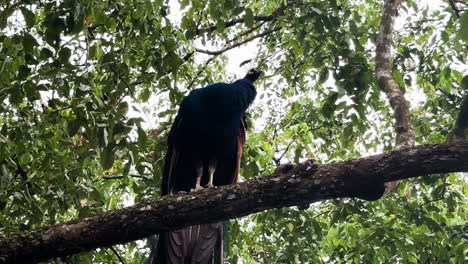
<point x="122" y="79"/>
<point x="233" y="23"/>
<point x="383" y="72"/>
<point x="200" y="71"/>
<point x="218" y="52"/>
<point x="455" y="8"/>
<point x="117" y="255"/>
<point x="116" y="177"/>
<point x="299" y="185"/>
<point x="278" y="12"/>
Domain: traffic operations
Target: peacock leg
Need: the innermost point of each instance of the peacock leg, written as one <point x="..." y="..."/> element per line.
<point x="211" y="171"/>
<point x="199" y="170"/>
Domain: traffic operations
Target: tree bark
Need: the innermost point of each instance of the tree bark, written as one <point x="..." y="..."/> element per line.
<point x="290" y="185"/>
<point x="383" y="73"/>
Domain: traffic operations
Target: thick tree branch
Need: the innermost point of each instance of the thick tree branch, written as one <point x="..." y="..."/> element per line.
<point x="293" y="185"/>
<point x="383" y="72"/>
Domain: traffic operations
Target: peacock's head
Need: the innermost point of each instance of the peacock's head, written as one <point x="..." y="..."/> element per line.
<point x="253" y="74"/>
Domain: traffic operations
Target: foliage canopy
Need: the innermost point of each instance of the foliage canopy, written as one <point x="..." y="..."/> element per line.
<point x="88" y="90"/>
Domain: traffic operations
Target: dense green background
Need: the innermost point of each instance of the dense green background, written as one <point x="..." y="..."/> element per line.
<point x="73" y="72"/>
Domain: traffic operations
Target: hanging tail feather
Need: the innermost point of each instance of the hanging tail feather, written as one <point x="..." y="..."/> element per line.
<point x="200" y="244"/>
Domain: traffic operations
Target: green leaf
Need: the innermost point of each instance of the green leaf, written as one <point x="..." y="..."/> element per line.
<point x="142" y="137"/>
<point x="46" y="53"/>
<point x="249" y="17"/>
<point x="23" y="72"/>
<point x="398" y="77"/>
<point x="318" y="11"/>
<point x="107" y="158"/>
<point x="92" y="52"/>
<point x="140" y="169"/>
<point x="172" y="61"/>
<point x="4" y="15"/>
<point x="323" y="76"/>
<point x="16" y="95"/>
<point x="445" y="36"/>
<point x="464" y="83"/>
<point x="126" y="168"/>
<point x="103" y="136"/>
<point x="123" y="108"/>
<point x="108" y="57"/>
<point x="464" y="27"/>
<point x="31" y="91"/>
<point x="72" y="127"/>
<point x="29" y="42"/>
<point x="145" y="95"/>
<point x="64" y="55"/>
<point x="184" y="3"/>
<point x="29" y="17"/>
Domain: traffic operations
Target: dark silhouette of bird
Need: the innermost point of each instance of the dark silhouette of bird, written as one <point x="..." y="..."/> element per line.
<point x="204" y="150"/>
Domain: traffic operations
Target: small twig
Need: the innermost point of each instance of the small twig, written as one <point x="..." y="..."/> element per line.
<point x="136" y="83"/>
<point x="218" y="52"/>
<point x="432" y="201"/>
<point x="419" y="24"/>
<point x="455" y="8"/>
<point x="187" y="57"/>
<point x="61" y="109"/>
<point x="189" y="87"/>
<point x="450" y="96"/>
<point x="116" y="177"/>
<point x="429" y="53"/>
<point x="117" y="254"/>
<point x="91" y="30"/>
<point x="278" y="160"/>
<point x="443" y="192"/>
<point x="247" y="32"/>
<point x="273" y="16"/>
<point x="132" y="93"/>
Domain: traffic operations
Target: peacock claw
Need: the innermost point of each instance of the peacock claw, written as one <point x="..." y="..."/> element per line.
<point x="197" y="188"/>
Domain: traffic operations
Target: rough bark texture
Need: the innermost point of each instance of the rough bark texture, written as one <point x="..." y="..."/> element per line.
<point x="383" y="72"/>
<point x="404" y="130"/>
<point x="290" y="185"/>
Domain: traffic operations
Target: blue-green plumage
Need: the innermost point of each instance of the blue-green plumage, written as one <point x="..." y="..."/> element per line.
<point x="208" y="133"/>
<point x="207" y="127"/>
